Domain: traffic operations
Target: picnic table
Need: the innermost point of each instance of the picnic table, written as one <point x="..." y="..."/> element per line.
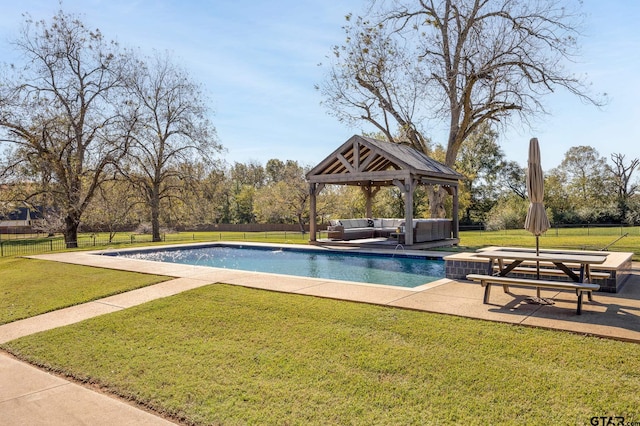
<point x="509" y="259"/>
<point x="505" y="260"/>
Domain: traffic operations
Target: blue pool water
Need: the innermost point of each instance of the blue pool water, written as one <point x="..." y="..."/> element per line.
<point x="394" y="269"/>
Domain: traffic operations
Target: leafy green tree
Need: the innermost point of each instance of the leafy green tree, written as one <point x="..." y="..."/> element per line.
<point x="389" y="202"/>
<point x="244" y="181"/>
<point x="244" y="197"/>
<point x="285" y="198"/>
<point x="251" y="173"/>
<point x="586" y="177"/>
<point x="210" y="200"/>
<point x="508" y="213"/>
<point x="633" y="210"/>
<point x="556" y="198"/>
<point x="481" y="160"/>
<point x="275" y="170"/>
<point x="347" y="200"/>
<point x="328" y="202"/>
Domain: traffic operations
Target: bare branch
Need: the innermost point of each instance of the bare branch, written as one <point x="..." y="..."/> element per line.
<point x="460" y="62"/>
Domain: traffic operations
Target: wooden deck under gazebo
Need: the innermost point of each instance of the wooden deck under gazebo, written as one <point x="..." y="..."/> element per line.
<point x="371" y="164"/>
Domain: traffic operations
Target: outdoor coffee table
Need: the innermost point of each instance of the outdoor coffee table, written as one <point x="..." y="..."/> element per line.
<point x="398" y="236"/>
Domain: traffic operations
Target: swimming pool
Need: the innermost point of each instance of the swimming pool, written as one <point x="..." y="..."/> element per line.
<point x="397" y="269"/>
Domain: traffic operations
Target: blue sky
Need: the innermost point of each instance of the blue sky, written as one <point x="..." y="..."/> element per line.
<point x="259" y="63"/>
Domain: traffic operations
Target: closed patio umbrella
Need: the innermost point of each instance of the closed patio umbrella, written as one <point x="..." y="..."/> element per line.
<point x="536" y="222"/>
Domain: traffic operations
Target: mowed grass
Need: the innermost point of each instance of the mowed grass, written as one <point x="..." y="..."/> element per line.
<point x="230" y="355"/>
<point x="30" y="287"/>
<point x="571" y="239"/>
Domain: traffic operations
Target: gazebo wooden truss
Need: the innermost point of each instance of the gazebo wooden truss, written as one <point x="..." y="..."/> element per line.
<point x="372" y="164"/>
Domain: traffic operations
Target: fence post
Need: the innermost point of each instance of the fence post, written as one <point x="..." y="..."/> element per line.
<point x="1" y="248"/>
<point x="50" y="245"/>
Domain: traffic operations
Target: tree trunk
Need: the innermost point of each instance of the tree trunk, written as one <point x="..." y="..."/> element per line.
<point x="71" y="231"/>
<point x="155" y="215"/>
<point x="155" y="222"/>
<point x="437" y="195"/>
<point x="301" y="223"/>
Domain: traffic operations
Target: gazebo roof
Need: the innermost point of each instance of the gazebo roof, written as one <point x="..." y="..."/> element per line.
<point x="362" y="160"/>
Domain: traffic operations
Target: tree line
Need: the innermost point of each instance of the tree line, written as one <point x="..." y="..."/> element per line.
<point x="584" y="188"/>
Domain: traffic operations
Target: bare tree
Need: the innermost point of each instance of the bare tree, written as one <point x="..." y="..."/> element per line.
<point x="459" y="62"/>
<point x="50" y="224"/>
<point x="624" y="187"/>
<point x="111" y="209"/>
<point x="173" y="131"/>
<point x="513" y="177"/>
<point x="62" y="116"/>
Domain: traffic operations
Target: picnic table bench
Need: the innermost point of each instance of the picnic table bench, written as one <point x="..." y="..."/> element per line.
<point x="487" y="281"/>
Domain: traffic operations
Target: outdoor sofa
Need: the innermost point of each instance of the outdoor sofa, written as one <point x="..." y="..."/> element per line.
<point x="423" y="229"/>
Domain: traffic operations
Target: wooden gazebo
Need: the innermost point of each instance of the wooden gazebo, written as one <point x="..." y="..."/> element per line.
<point x="372" y="164"/>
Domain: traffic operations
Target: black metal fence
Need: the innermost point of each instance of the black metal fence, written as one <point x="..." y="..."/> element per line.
<point x="29" y="246"/>
<point x="572" y="229"/>
<point x="16" y="246"/>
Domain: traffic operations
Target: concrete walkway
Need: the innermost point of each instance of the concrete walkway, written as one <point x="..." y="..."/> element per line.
<point x="31" y="396"/>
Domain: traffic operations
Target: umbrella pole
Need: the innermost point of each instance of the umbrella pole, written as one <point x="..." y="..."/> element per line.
<point x="538" y="264"/>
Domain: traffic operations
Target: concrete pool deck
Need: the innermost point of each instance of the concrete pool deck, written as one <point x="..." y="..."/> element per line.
<point x="31" y="396"/>
<point x="611" y="315"/>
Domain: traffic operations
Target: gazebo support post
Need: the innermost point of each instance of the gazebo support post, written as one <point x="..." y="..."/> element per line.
<point x="453" y="191"/>
<point x="456" y="219"/>
<point x="313" y="224"/>
<point x="407" y="188"/>
<point x="408" y="212"/>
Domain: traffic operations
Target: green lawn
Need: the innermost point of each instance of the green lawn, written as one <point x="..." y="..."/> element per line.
<point x="231" y="355"/>
<point x="570" y="238"/>
<point x="29" y="287"/>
